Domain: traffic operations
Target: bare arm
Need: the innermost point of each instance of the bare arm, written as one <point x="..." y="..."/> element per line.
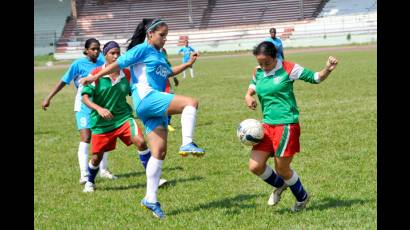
<point x="56" y="89"/>
<point x="104" y="113"/>
<point x="330" y="66"/>
<point x="111" y="68"/>
<point x="178" y="69"/>
<point x="250" y="100"/>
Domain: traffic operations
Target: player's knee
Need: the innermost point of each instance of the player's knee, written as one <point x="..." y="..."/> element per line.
<point x="283" y="171"/>
<point x="96" y="158"/>
<point x="256" y="168"/>
<point x="193" y="102"/>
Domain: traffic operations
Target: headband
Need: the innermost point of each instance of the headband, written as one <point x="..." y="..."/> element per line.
<point x="110" y="45"/>
<point x="154" y="24"/>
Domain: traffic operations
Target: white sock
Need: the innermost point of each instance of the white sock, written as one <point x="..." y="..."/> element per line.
<point x="104" y="162"/>
<point x="188" y="124"/>
<point x="293" y="179"/>
<point x="192" y="72"/>
<point x="143" y="152"/>
<point x="83" y="157"/>
<point x="154" y="169"/>
<point x="183" y="74"/>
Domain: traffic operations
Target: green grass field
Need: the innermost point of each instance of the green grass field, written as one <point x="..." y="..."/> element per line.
<point x="337" y="162"/>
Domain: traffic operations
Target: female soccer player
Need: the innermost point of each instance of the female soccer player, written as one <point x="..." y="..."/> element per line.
<point x="186" y="51"/>
<point x="111" y="115"/>
<point x="81" y="68"/>
<point x="149" y="75"/>
<point x="169" y="88"/>
<point x="277" y="42"/>
<point x="273" y="83"/>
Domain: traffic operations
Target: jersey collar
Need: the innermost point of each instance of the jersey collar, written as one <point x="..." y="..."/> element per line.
<point x="122" y="75"/>
<point x="272" y="72"/>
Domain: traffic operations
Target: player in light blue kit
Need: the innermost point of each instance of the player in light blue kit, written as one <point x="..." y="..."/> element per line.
<point x="149" y="76"/>
<point x="186" y="51"/>
<point x="277" y="42"/>
<point x="78" y="69"/>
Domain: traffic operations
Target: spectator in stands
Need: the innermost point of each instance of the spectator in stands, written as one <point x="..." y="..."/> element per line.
<point x="111" y="115"/>
<point x="277" y="42"/>
<point x="78" y="69"/>
<point x="186" y="51"/>
<point x="149" y="73"/>
<point x="273" y="83"/>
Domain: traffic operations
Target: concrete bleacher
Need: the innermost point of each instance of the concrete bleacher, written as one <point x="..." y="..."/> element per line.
<point x="346" y="7"/>
<point x="49" y="19"/>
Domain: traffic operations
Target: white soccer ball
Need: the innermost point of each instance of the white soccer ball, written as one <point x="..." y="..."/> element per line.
<point x="250" y="132"/>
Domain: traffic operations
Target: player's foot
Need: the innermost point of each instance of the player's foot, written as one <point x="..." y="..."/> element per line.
<point x="170" y="128"/>
<point x="162" y="182"/>
<point x="89" y="187"/>
<point x="298" y="206"/>
<point x="107" y="174"/>
<point x="276" y="195"/>
<point x="83" y="179"/>
<point x="154" y="207"/>
<point x="191" y="148"/>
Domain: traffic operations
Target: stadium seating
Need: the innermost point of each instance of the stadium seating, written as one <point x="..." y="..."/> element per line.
<point x="346" y="7"/>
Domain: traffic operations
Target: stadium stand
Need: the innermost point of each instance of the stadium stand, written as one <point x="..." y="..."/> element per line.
<point x="346" y="7"/>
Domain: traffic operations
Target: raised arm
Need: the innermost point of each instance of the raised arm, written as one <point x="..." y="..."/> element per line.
<point x="111" y="68"/>
<point x="330" y="66"/>
<point x="56" y="89"/>
<point x="178" y="69"/>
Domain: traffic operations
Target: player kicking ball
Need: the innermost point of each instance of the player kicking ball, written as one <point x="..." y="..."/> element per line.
<point x="111" y="115"/>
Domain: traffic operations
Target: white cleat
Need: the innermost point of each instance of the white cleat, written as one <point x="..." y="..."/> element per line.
<point x="276" y="195"/>
<point x="298" y="206"/>
<point x="89" y="187"/>
<point x="83" y="179"/>
<point x="107" y="174"/>
<point x="162" y="182"/>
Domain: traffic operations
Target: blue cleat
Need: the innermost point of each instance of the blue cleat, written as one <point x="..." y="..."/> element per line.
<point x="154" y="207"/>
<point x="191" y="148"/>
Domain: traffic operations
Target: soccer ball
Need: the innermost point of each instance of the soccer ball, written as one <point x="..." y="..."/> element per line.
<point x="250" y="132"/>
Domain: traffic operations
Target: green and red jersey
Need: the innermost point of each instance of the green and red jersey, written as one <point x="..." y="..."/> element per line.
<point x="109" y="94"/>
<point x="275" y="91"/>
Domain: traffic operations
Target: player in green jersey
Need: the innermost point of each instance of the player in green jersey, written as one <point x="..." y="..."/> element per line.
<point x="273" y="82"/>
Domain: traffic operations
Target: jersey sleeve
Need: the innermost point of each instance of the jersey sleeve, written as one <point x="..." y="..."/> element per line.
<point x="89" y="90"/>
<point x="71" y="73"/>
<point x="192" y="49"/>
<point x="181" y="50"/>
<point x="304" y="74"/>
<point x="132" y="56"/>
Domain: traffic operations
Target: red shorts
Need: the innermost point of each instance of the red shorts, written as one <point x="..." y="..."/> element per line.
<point x="280" y="140"/>
<point x="106" y="141"/>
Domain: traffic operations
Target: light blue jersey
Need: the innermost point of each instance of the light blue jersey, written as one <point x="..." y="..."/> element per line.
<point x="186" y="50"/>
<point x="149" y="70"/>
<point x="279" y="47"/>
<point x="78" y="69"/>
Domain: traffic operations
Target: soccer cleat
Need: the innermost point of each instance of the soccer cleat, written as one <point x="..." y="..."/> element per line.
<point x="154" y="207"/>
<point x="170" y="128"/>
<point x="191" y="148"/>
<point x="298" y="206"/>
<point x="83" y="179"/>
<point x="107" y="174"/>
<point x="162" y="182"/>
<point x="89" y="187"/>
<point x="276" y="195"/>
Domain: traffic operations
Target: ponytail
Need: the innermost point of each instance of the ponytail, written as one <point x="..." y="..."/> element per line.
<point x="140" y="33"/>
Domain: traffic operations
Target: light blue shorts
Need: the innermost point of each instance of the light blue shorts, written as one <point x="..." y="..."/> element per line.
<point x="83" y="120"/>
<point x="152" y="110"/>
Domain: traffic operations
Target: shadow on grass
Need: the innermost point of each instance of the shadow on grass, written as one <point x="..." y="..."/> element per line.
<point x="140" y="173"/>
<point x="143" y="185"/>
<point x="329" y="202"/>
<point x="233" y="205"/>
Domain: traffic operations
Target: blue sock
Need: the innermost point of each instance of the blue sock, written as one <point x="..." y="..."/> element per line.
<point x="92" y="172"/>
<point x="144" y="157"/>
<point x="297" y="187"/>
<point x="270" y="177"/>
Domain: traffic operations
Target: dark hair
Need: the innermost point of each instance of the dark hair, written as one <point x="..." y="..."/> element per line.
<point x="141" y="31"/>
<point x="265" y="48"/>
<point x="88" y="43"/>
<point x="272" y="30"/>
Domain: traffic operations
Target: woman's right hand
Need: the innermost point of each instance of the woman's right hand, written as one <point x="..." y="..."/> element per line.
<point x="45" y="104"/>
<point x="251" y="102"/>
<point x="193" y="58"/>
<point x="105" y="113"/>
